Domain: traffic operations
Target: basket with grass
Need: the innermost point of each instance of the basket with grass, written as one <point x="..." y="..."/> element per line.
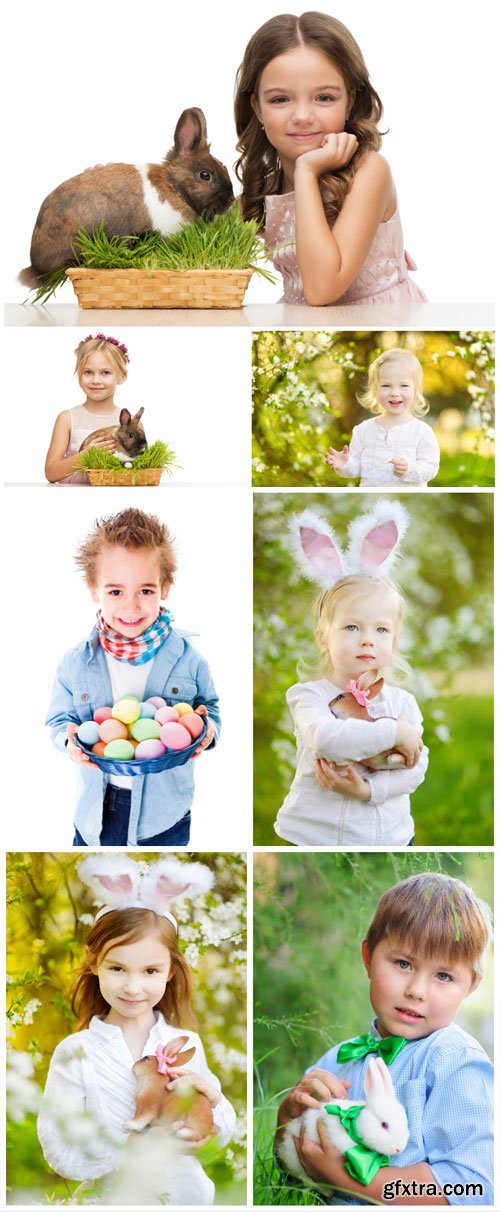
<point x="104" y="470"/>
<point x="204" y="265"/>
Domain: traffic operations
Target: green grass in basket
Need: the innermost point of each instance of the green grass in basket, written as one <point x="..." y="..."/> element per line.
<point x="226" y="242"/>
<point x="156" y="455"/>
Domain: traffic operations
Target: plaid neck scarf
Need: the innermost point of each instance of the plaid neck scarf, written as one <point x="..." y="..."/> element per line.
<point x="139" y="650"/>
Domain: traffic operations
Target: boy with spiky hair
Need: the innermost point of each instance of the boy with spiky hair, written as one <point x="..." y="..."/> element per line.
<point x="128" y="563"/>
<point x="423" y="954"/>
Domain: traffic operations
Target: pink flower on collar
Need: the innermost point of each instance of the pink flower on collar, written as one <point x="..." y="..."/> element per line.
<point x="163" y="1061"/>
<point x="361" y="696"/>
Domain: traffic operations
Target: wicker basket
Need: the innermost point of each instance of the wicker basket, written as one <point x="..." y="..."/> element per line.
<point x="111" y="477"/>
<point x="204" y="288"/>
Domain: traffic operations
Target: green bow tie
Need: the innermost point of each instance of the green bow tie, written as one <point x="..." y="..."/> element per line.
<point x="360" y="1162"/>
<point x="355" y="1049"/>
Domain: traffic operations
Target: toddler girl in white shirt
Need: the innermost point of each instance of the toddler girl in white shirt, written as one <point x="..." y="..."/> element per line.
<point x="335" y="800"/>
<point x="131" y="997"/>
<point x="395" y="447"/>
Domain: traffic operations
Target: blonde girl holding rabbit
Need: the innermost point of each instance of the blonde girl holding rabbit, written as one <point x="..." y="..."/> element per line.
<point x="395" y="447"/>
<point x="307" y="118"/>
<point x="131" y="996"/>
<point x="354" y="776"/>
<point x="101" y="367"/>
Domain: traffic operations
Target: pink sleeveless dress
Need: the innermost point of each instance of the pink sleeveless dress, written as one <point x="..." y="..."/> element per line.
<point x="84" y="423"/>
<point x="383" y="277"/>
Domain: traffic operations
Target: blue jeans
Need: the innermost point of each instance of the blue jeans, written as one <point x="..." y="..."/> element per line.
<point x="115" y="818"/>
<point x="412" y="843"/>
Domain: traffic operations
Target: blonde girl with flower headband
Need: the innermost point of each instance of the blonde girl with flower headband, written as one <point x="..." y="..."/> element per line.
<point x="395" y="447"/>
<point x="359" y="746"/>
<point x="101" y="367"/>
<point x="131" y="997"/>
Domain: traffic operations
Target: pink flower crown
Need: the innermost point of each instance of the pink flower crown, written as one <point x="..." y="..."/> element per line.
<point x="101" y="336"/>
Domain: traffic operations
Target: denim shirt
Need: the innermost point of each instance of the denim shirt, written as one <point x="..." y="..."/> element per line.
<point x="177" y="673"/>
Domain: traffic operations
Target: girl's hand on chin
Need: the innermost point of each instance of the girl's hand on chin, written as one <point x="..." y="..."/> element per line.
<point x="335" y="152"/>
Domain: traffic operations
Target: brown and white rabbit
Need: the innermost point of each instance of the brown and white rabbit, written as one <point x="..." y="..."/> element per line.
<point x="346" y="707"/>
<point x="157" y="1106"/>
<point x="129" y="436"/>
<point x="132" y="198"/>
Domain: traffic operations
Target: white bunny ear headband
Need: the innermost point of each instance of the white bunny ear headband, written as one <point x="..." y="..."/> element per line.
<point x="372" y="546"/>
<point x="120" y="883"/>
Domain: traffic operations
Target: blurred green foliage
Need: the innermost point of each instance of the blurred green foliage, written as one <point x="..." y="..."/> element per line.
<point x="305" y="389"/>
<point x="48" y="915"/>
<point x="311" y="913"/>
<point x="446" y="577"/>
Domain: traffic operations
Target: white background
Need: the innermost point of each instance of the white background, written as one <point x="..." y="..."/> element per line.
<point x="194" y="385"/>
<point x="53" y="611"/>
<point x="90" y="84"/>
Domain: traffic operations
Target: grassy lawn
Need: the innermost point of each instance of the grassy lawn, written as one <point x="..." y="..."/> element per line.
<point x="453" y="807"/>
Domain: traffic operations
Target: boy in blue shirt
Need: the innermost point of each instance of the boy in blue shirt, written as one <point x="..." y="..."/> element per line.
<point x="129" y="564"/>
<point x="423" y="954"/>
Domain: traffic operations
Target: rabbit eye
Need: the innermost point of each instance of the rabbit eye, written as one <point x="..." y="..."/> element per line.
<point x="205" y="175"/>
<point x="384" y="1125"/>
<point x="339" y="698"/>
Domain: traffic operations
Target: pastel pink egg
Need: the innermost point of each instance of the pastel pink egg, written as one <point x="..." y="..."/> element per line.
<point x="174" y="736"/>
<point x="157" y="701"/>
<point x="167" y="715"/>
<point x="193" y="723"/>
<point x="149" y="749"/>
<point x="102" y="713"/>
<point x="112" y="730"/>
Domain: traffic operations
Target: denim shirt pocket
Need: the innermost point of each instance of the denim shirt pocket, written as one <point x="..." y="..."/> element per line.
<point x="413" y="1095"/>
<point x="82" y="700"/>
<point x="180" y="689"/>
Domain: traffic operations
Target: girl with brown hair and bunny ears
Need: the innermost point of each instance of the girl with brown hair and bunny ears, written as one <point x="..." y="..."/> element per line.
<point x="354" y="776"/>
<point x="131" y="996"/>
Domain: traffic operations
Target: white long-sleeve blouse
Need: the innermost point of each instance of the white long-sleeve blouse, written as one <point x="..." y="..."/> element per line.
<point x="91" y="1071"/>
<point x="312" y="815"/>
<point x="372" y="446"/>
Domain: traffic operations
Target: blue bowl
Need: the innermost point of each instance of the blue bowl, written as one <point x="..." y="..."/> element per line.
<point x="172" y="757"/>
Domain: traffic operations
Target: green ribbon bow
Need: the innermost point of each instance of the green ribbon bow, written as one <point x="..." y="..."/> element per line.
<point x="387" y="1048"/>
<point x="360" y="1162"/>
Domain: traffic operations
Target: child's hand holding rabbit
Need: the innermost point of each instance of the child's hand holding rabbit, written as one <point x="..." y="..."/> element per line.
<point x="313" y="1088"/>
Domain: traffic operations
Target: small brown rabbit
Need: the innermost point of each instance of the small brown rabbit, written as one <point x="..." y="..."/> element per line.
<point x="132" y="198"/>
<point x="157" y="1106"/>
<point x="346" y="707"/>
<point x="129" y="437"/>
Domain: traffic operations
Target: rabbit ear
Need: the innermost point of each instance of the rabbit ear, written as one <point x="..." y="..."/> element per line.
<point x="170" y="880"/>
<point x="138" y="415"/>
<point x="174" y="1045"/>
<point x="191" y="130"/>
<point x="316" y="549"/>
<point x="114" y="879"/>
<point x="385" y="1075"/>
<point x="373" y="1083"/>
<point x="375" y="537"/>
<point x="375" y="688"/>
<point x="125" y="417"/>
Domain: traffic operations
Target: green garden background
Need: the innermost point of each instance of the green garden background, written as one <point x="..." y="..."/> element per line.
<point x="305" y="388"/>
<point x="311" y="913"/>
<point x="48" y="915"/>
<point x="446" y="576"/>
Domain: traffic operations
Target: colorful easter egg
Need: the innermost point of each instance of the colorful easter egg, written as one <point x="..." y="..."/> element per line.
<point x="148" y="711"/>
<point x="149" y="749"/>
<point x="157" y="701"/>
<point x="193" y="723"/>
<point x="102" y="713"/>
<point x="88" y="732"/>
<point x="167" y="715"/>
<point x="120" y="750"/>
<point x="145" y="730"/>
<point x="99" y="748"/>
<point x="126" y="710"/>
<point x="183" y="708"/>
<point x="174" y="736"/>
<point x="112" y="730"/>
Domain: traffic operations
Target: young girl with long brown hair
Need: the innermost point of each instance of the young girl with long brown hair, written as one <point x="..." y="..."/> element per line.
<point x="307" y="120"/>
<point x="131" y="996"/>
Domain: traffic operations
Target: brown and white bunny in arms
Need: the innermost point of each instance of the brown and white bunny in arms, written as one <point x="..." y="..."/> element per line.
<point x="132" y="198"/>
<point x="128" y="436"/>
<point x="381" y="1125"/>
<point x="191" y="1118"/>
<point x="351" y="704"/>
